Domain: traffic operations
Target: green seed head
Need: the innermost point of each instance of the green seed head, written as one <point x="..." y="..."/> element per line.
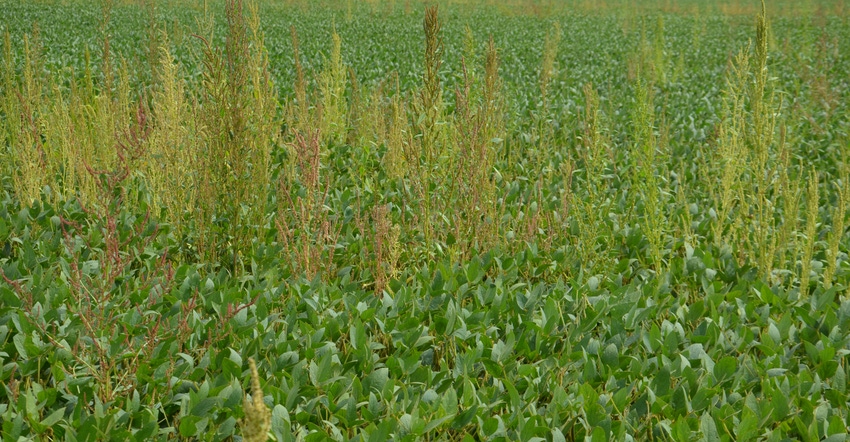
<point x="258" y="419"/>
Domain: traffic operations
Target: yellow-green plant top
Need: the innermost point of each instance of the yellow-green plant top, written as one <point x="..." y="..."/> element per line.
<point x="258" y="419"/>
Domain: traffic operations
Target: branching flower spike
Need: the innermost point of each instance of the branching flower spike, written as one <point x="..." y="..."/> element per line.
<point x="258" y="419"/>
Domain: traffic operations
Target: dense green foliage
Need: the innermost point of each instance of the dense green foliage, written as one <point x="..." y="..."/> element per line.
<point x="635" y="231"/>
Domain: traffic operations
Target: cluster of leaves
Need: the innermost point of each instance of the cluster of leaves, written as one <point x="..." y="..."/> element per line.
<point x="479" y="350"/>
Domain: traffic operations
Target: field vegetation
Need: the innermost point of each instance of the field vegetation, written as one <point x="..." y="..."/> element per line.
<point x="391" y="220"/>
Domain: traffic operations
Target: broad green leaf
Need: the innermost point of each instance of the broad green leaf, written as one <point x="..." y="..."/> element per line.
<point x="53" y="418"/>
<point x="708" y="429"/>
